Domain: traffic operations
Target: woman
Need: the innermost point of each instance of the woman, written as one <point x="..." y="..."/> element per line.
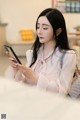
<point x="43" y="67"/>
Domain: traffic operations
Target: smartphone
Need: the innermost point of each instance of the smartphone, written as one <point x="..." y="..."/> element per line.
<point x="11" y="52"/>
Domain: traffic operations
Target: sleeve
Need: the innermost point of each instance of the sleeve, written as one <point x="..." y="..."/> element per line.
<point x="9" y="72"/>
<point x="65" y="78"/>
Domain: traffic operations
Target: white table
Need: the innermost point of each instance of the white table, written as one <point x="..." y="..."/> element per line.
<point x="21" y="102"/>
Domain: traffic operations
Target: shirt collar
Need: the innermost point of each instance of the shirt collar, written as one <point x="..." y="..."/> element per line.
<point x="40" y="55"/>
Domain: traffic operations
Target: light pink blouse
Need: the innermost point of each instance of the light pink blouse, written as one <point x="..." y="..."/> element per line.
<point x="51" y="76"/>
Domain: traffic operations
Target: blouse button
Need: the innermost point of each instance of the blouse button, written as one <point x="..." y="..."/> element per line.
<point x="41" y="62"/>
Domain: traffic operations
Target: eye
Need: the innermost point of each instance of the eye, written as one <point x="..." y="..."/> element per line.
<point x="45" y="28"/>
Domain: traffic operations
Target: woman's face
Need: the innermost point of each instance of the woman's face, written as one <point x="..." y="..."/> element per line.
<point x="44" y="30"/>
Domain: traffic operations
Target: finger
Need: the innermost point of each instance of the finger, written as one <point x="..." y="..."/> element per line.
<point x="7" y="53"/>
<point x="12" y="59"/>
<point x="14" y="65"/>
<point x="21" y="66"/>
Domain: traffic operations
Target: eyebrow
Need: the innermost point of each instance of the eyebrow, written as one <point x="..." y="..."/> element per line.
<point x="43" y="24"/>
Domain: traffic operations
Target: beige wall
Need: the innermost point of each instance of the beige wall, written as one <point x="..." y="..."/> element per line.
<point x="72" y="20"/>
<point x="22" y="14"/>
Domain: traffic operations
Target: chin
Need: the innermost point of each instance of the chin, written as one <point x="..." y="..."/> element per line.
<point x="41" y="41"/>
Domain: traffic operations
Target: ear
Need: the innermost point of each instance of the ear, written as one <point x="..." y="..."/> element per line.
<point x="58" y="31"/>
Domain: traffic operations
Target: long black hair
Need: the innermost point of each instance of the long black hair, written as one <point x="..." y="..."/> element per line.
<point x="56" y="20"/>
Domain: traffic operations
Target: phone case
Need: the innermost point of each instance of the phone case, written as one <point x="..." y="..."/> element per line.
<point x="10" y="50"/>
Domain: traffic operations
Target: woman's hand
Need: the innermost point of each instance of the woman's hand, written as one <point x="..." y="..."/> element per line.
<point x="13" y="63"/>
<point x="30" y="76"/>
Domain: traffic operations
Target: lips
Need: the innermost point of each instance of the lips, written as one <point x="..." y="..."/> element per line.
<point x="41" y="38"/>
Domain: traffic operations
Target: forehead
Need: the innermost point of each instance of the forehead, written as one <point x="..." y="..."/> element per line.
<point x="43" y="20"/>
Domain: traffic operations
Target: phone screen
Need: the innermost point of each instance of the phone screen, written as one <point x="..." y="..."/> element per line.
<point x="11" y="53"/>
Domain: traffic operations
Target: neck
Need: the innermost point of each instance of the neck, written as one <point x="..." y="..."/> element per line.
<point x="48" y="47"/>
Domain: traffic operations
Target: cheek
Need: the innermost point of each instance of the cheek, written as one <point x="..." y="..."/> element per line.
<point x="49" y="35"/>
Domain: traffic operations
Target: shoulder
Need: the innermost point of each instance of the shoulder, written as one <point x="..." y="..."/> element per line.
<point x="70" y="55"/>
<point x="71" y="52"/>
<point x="29" y="54"/>
<point x="69" y="59"/>
<point x="66" y="53"/>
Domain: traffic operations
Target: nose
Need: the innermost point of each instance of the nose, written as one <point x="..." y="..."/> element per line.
<point x="39" y="31"/>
